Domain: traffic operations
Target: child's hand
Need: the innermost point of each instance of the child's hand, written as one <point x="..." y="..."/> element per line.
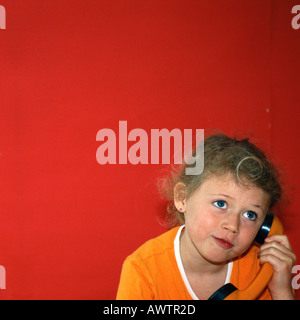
<point x="277" y="251"/>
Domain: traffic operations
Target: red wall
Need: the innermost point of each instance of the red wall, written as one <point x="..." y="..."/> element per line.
<point x="70" y="68"/>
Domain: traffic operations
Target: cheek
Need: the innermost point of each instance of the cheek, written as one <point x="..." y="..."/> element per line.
<point x="201" y="225"/>
<point x="246" y="237"/>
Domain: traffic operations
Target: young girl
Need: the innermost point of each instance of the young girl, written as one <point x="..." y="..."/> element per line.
<point x="220" y="213"/>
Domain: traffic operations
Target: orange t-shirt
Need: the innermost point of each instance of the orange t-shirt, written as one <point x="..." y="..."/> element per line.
<point x="154" y="271"/>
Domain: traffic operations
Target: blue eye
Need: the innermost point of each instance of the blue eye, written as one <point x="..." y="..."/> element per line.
<point x="250" y="215"/>
<point x="220" y="204"/>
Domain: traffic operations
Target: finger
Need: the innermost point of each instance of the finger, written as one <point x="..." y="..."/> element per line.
<point x="287" y="256"/>
<point x="281" y="238"/>
<point x="272" y="259"/>
<point x="278" y="246"/>
<point x="277" y="264"/>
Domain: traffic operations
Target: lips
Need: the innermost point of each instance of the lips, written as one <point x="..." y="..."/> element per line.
<point x="223" y="243"/>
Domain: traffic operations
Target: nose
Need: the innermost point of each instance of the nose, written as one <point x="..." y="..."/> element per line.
<point x="232" y="223"/>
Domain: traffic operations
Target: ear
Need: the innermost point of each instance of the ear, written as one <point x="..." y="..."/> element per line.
<point x="180" y="194"/>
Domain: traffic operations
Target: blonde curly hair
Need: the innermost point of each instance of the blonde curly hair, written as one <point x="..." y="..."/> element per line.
<point x="223" y="155"/>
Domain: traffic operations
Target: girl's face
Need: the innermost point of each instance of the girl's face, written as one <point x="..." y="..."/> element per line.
<point x="222" y="218"/>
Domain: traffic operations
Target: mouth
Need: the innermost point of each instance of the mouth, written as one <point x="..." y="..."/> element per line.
<point x="223" y="243"/>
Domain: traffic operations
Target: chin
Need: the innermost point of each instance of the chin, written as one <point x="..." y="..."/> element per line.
<point x="218" y="258"/>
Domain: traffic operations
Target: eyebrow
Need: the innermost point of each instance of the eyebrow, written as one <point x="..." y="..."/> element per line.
<point x="222" y="194"/>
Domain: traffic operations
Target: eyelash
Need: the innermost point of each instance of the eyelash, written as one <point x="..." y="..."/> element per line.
<point x="255" y="215"/>
<point x="218" y="203"/>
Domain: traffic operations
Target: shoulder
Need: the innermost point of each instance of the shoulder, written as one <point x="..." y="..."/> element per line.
<point x="156" y="246"/>
<point x="147" y="272"/>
